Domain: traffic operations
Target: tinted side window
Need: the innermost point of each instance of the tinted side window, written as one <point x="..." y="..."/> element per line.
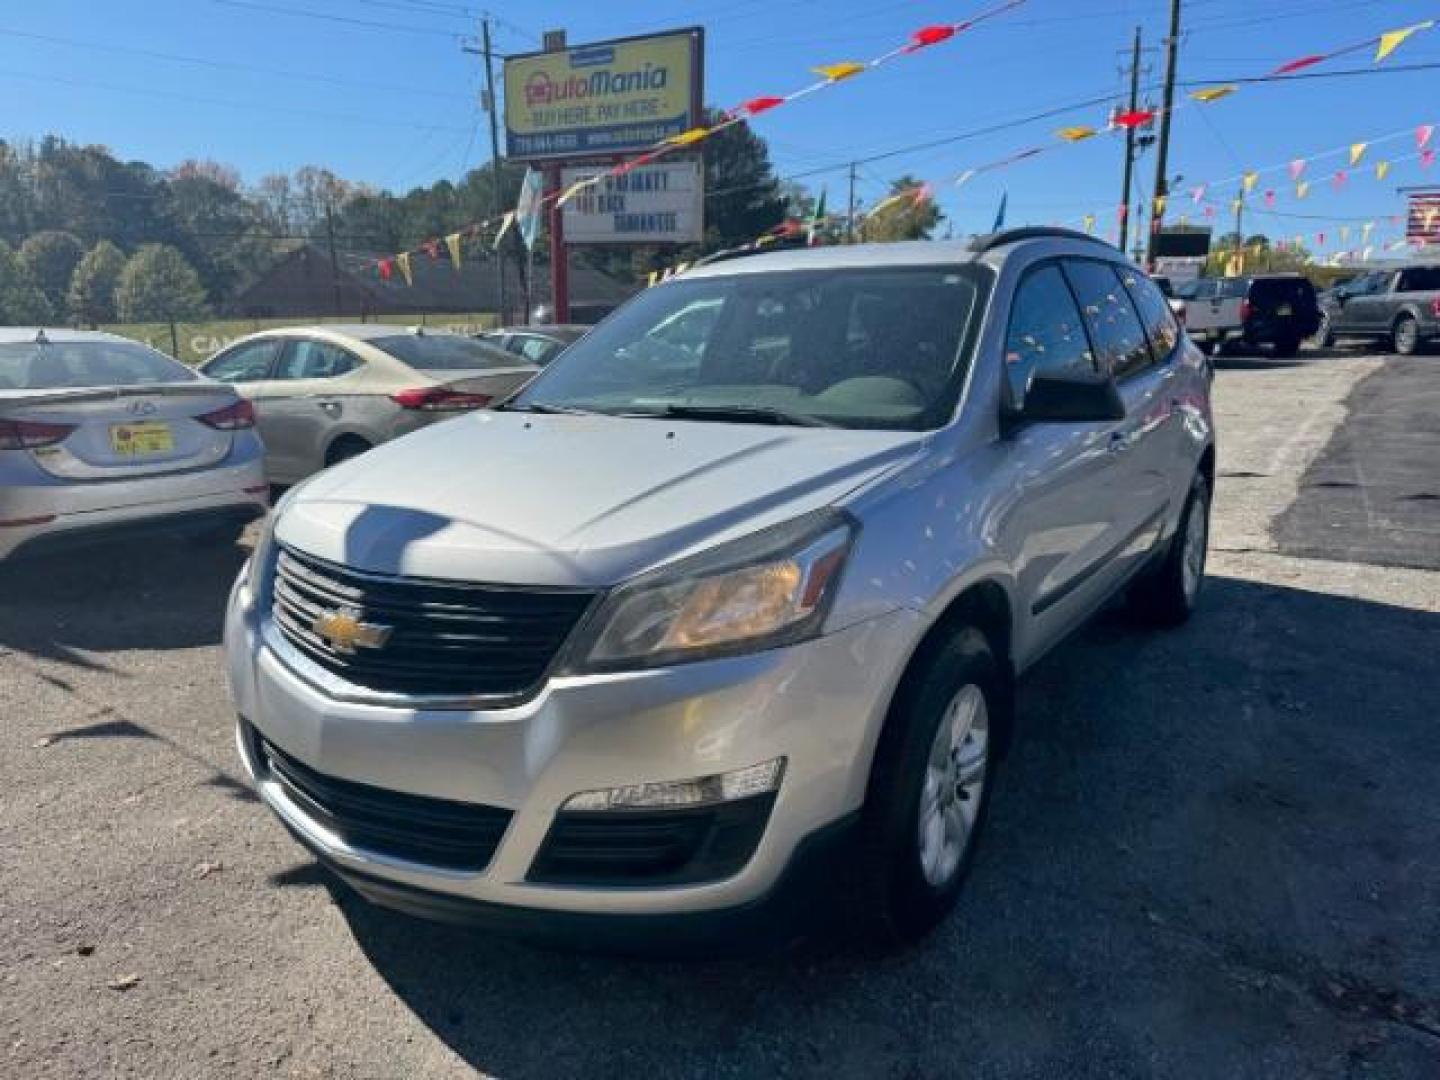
<point x="1154" y="311"/>
<point x="314" y="360"/>
<point x="537" y="350"/>
<point x="1420" y="279"/>
<point x="1114" y="327"/>
<point x="1045" y="332"/>
<point x="249" y="362"/>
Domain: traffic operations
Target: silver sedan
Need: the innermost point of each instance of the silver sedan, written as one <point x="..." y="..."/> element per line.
<point x="323" y="394"/>
<point x="100" y="435"/>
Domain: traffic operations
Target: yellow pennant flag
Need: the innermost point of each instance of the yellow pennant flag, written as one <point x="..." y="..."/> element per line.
<point x="654" y="276"/>
<point x="1302" y="189"/>
<point x="453" y="243"/>
<point x="1160" y="201"/>
<point x="1235" y="205"/>
<point x="1089" y="223"/>
<point x="1076" y="134"/>
<point x="1213" y="93"/>
<point x="575" y="189"/>
<point x="1357" y="151"/>
<point x="1393" y="39"/>
<point x="686" y="138"/>
<point x="403" y="261"/>
<point x="1381" y="169"/>
<point x="1249" y="180"/>
<point x="836" y="72"/>
<point x="505" y="223"/>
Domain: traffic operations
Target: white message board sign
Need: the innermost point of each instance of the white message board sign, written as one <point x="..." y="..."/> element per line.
<point x="663" y="203"/>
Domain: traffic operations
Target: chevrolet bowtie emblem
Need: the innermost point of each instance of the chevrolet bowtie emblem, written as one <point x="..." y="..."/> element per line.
<point x="344" y="631"/>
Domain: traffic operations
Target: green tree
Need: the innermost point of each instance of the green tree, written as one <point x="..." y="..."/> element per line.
<point x="91" y="298"/>
<point x="51" y="257"/>
<point x="158" y="285"/>
<point x="22" y="303"/>
<point x="908" y="214"/>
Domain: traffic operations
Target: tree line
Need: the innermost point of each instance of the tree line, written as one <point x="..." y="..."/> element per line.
<point x="87" y="238"/>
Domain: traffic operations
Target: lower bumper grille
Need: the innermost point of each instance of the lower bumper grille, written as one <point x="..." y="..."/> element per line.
<point x="433" y="832"/>
<point x="679" y="846"/>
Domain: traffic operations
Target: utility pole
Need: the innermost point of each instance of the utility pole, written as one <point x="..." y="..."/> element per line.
<point x="334" y="259"/>
<point x="496" y="206"/>
<point x="1130" y="143"/>
<point x="850" y="213"/>
<point x="1162" y="159"/>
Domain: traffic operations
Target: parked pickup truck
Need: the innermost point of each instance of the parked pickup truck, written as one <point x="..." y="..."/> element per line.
<point x="1279" y="310"/>
<point x="1399" y="306"/>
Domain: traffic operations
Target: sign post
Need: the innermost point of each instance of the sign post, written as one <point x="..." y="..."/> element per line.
<point x="559" y="256"/>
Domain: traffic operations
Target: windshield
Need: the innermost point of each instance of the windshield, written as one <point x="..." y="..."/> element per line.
<point x="852" y="348"/>
<point x="445" y="352"/>
<point x="68" y="365"/>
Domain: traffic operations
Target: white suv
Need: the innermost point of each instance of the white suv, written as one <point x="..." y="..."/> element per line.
<point x="684" y="629"/>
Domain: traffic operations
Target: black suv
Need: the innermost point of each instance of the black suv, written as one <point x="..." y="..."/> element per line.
<point x="1280" y="310"/>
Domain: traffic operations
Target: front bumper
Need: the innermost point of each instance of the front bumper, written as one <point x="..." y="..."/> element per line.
<point x="819" y="705"/>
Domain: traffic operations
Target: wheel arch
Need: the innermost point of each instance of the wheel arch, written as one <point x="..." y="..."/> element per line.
<point x="341" y="436"/>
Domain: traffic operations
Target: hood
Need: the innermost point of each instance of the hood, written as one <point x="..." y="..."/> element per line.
<point x="573" y="500"/>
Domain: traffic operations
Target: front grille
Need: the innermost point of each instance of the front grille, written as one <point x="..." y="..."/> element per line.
<point x="434" y="832"/>
<point x="662" y="846"/>
<point x="445" y="638"/>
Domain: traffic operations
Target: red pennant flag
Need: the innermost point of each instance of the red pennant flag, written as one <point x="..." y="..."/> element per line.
<point x="1209" y="211"/>
<point x="756" y="105"/>
<point x="1340" y="177"/>
<point x="1121" y="211"/>
<point x="1297" y="65"/>
<point x="625" y="166"/>
<point x="1134" y="118"/>
<point x="1427" y="158"/>
<point x="387" y="267"/>
<point x="929" y="35"/>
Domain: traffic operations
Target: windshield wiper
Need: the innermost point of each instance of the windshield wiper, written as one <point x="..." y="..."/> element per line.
<point x="745" y="414"/>
<point x="545" y="408"/>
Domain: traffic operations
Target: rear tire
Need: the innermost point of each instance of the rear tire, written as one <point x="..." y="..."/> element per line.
<point x="1168" y="594"/>
<point x="1287" y="348"/>
<point x="345" y="448"/>
<point x="1406" y="336"/>
<point x="929" y="791"/>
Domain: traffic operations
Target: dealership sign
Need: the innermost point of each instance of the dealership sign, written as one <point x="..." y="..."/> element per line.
<point x="651" y="204"/>
<point x="612" y="97"/>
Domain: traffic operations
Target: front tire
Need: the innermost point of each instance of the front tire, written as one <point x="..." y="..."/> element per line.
<point x="1169" y="594"/>
<point x="1406" y="336"/>
<point x="929" y="790"/>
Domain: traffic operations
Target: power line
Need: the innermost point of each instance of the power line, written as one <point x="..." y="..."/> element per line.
<point x="208" y="62"/>
<point x="369" y="24"/>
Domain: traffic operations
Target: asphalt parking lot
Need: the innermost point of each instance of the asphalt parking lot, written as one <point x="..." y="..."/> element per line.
<point x="1212" y="851"/>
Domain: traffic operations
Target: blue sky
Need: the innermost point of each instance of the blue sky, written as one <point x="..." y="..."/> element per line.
<point x="396" y="105"/>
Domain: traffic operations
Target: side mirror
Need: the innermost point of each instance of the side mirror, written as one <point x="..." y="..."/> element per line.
<point x="1078" y="398"/>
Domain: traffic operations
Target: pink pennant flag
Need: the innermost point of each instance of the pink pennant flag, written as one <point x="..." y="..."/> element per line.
<point x="1209" y="211"/>
<point x="1427" y="158"/>
<point x="1197" y="194"/>
<point x="1423" y="134"/>
<point x="1298" y="65"/>
<point x="1320" y="239"/>
<point x="1340" y="177"/>
<point x="1296" y="168"/>
<point x="1270" y="198"/>
<point x="1121" y="211"/>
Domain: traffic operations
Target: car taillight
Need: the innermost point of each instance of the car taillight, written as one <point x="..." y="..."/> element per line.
<point x="231" y="418"/>
<point x="439" y="399"/>
<point x="30" y="434"/>
<point x="1247" y="309"/>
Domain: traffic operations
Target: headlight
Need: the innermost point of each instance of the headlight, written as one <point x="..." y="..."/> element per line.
<point x="764" y="590"/>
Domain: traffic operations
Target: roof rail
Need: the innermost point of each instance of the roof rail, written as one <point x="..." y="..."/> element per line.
<point x="782" y="244"/>
<point x="990" y="241"/>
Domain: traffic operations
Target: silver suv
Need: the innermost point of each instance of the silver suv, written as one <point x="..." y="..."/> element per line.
<point x="696" y="625"/>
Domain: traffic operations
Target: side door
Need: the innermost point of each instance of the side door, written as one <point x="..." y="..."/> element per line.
<point x="1143" y="444"/>
<point x="307" y="398"/>
<point x="1060" y="523"/>
<point x="1364" y="310"/>
<point x="1202" y="308"/>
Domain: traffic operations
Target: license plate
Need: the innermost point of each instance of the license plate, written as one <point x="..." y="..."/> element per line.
<point x="1284" y="309"/>
<point x="145" y="437"/>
